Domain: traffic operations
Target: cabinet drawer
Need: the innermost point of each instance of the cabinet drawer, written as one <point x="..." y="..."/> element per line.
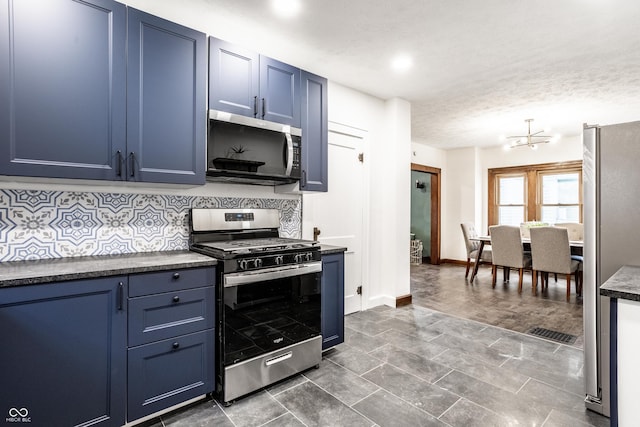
<point x="157" y="317"/>
<point x="166" y="373"/>
<point x="170" y="280"/>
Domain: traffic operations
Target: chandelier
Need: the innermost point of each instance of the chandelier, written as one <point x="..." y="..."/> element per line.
<point x="530" y="140"/>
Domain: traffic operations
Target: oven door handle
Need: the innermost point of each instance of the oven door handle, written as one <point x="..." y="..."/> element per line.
<point x="244" y="278"/>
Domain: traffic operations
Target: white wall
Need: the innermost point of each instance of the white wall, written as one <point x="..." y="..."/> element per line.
<point x="428" y="156"/>
<point x="388" y="127"/>
<point x="391" y="190"/>
<point x="463" y="192"/>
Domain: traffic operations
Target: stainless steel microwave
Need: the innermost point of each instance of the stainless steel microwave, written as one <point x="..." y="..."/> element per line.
<point x="252" y="151"/>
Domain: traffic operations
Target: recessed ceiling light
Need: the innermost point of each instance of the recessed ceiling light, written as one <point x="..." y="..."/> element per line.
<point x="286" y="8"/>
<point x="402" y="62"/>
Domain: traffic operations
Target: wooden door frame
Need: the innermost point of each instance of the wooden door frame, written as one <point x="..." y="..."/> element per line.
<point x="435" y="208"/>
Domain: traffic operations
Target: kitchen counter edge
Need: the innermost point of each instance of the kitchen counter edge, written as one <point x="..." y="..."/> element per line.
<point x="330" y="249"/>
<point x="624" y="284"/>
<point x="21" y="273"/>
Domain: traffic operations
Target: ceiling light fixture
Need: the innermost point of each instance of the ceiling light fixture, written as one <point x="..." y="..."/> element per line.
<point x="530" y="140"/>
<point x="286" y="8"/>
<point x="401" y="62"/>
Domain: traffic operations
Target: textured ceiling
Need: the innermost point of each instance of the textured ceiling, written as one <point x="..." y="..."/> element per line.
<point x="480" y="67"/>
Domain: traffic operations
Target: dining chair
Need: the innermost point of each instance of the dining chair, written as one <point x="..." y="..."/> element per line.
<point x="551" y="253"/>
<point x="473" y="246"/>
<point x="575" y="229"/>
<point x="508" y="252"/>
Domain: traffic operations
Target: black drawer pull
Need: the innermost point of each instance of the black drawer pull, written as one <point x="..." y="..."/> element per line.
<point x="176" y="299"/>
<point x="176" y="276"/>
<point x="175" y="345"/>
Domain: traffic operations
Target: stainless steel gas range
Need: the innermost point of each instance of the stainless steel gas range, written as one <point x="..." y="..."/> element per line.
<point x="268" y="298"/>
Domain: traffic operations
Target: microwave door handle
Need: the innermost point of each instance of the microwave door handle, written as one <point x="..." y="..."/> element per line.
<point x="287" y="137"/>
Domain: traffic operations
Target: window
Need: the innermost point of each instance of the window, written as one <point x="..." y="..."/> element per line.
<point x="511" y="199"/>
<point x="560" y="200"/>
<point x="549" y="193"/>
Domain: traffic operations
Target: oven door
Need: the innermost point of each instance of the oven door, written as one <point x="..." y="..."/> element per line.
<point x="269" y="309"/>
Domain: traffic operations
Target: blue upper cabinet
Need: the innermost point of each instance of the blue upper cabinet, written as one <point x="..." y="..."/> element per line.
<point x="166" y="101"/>
<point x="62" y="87"/>
<point x="233" y="78"/>
<point x="279" y="92"/>
<point x="253" y="85"/>
<point x="315" y="133"/>
<point x="73" y="105"/>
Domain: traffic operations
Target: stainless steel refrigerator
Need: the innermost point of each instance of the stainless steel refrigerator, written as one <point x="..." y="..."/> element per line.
<point x="611" y="189"/>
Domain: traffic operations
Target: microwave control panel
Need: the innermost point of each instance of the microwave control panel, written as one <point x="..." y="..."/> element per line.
<point x="295" y="167"/>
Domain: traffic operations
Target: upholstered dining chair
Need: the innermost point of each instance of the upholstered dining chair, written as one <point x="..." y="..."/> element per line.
<point x="508" y="252"/>
<point x="473" y="246"/>
<point x="551" y="253"/>
<point x="575" y="229"/>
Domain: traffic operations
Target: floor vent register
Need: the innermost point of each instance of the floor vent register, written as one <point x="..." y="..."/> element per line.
<point x="553" y="335"/>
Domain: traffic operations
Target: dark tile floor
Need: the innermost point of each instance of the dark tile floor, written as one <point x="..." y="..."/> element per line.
<point x="417" y="366"/>
<point x="443" y="288"/>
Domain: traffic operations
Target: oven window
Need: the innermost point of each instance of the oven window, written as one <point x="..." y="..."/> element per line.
<point x="267" y="315"/>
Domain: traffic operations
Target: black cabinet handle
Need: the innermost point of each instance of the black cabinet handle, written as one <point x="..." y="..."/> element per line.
<point x="176" y="299"/>
<point x="132" y="158"/>
<point x="176" y="276"/>
<point x="255" y="106"/>
<point x="304" y="178"/>
<point x="120" y="296"/>
<point x="264" y="107"/>
<point x="118" y="163"/>
<point x="175" y="345"/>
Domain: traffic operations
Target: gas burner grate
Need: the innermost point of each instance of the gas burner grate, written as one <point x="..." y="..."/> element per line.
<point x="560" y="337"/>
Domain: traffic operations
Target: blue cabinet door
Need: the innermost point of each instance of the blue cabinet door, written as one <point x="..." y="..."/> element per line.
<point x="166" y="101"/>
<point x="166" y="373"/>
<point x="332" y="300"/>
<point x="279" y="92"/>
<point x="315" y="133"/>
<point x="233" y="78"/>
<point x="62" y="88"/>
<point x="63" y="361"/>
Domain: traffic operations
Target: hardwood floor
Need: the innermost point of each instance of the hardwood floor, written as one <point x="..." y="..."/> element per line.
<point x="444" y="288"/>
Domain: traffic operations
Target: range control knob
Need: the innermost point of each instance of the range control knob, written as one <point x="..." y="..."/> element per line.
<point x="242" y="264"/>
<point x="279" y="260"/>
<point x="298" y="258"/>
<point x="308" y="256"/>
<point x="257" y="263"/>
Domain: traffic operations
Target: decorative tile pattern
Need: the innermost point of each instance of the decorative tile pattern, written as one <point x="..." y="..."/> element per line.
<point x="56" y="224"/>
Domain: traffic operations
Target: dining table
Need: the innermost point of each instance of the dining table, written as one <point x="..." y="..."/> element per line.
<point x="576" y="248"/>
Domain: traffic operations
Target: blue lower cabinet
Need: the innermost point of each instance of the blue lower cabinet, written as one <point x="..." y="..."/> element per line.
<point x="332" y="300"/>
<point x="166" y="373"/>
<point x="63" y="357"/>
<point x="171" y="339"/>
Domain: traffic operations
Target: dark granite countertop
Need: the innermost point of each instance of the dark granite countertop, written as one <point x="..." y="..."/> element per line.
<point x="20" y="273"/>
<point x="330" y="249"/>
<point x="624" y="284"/>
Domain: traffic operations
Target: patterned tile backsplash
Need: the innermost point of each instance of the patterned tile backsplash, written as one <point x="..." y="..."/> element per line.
<point x="56" y="224"/>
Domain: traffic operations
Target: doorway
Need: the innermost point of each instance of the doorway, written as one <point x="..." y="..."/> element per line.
<point x="425" y="210"/>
